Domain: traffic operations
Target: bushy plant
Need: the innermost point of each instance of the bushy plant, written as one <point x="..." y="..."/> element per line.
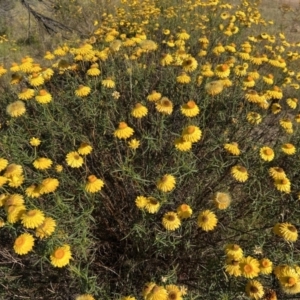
<point x="158" y="156"/>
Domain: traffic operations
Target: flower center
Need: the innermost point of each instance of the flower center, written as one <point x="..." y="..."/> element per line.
<point x="253" y="289"/>
<point x="242" y="169"/>
<point x="248" y="269"/>
<point x="138" y="105"/>
<point x="20" y="241"/>
<point x="59" y="253"/>
<point x="43" y="92"/>
<point x="292" y="228"/>
<point x="122" y="125"/>
<point x="171" y="218"/>
<point x="166" y="103"/>
<point x="191" y="129"/>
<point x="172" y="295"/>
<point x="291" y="280"/>
<point x="92" y="178"/>
<point x="268" y="152"/>
<point x="152" y="201"/>
<point x="31" y="213"/>
<point x="191" y="104"/>
<point x="288" y="146"/>
<point x="184" y="207"/>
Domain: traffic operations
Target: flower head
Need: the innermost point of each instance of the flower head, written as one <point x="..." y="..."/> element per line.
<point x="42" y="163"/>
<point x="152" y="205"/>
<point x="74" y="160"/>
<point x="277" y="173"/>
<point x="3" y="163"/>
<point x="239" y="173"/>
<point x="232" y="267"/>
<point x="184" y="211"/>
<point x="139" y="111"/>
<point x="232" y="148"/>
<point x="154" y="96"/>
<point x="234" y="251"/>
<point x="61" y="256"/>
<point x="34" y="142"/>
<point x="94" y="184"/>
<point x="43" y="97"/>
<point x="207" y="220"/>
<point x="191" y="134"/>
<point x="254" y="289"/>
<point x="214" y="87"/>
<point x="164" y="106"/>
<point x="48" y="185"/>
<point x="82" y="91"/>
<point x="16" y="109"/>
<point x="288" y="149"/>
<point x="249" y="267"/>
<point x="283" y="185"/>
<point x="266" y="153"/>
<point x="182" y="145"/>
<point x="141" y="202"/>
<point x="222" y="200"/>
<point x="46" y="228"/>
<point x="171" y="221"/>
<point x="190" y="109"/>
<point x="288" y="232"/>
<point x="24" y="243"/>
<point x="85" y="149"/>
<point x="32" y="218"/>
<point x="266" y="266"/>
<point x="26" y="94"/>
<point x="123" y="131"/>
<point x="166" y="183"/>
<point x="133" y="144"/>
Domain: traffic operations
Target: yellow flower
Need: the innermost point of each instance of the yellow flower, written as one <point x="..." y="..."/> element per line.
<point x="267" y="153"/>
<point x="254" y="118"/>
<point x="184" y="211"/>
<point x="232" y="148"/>
<point x="166" y="183"/>
<point x="289" y="280"/>
<point x="222" y="71"/>
<point x="292" y="102"/>
<point x="43" y="97"/>
<point x="171" y="221"/>
<point x="154" y="96"/>
<point x="239" y="173"/>
<point x="141" y="202"/>
<point x="152" y="205"/>
<point x="32" y="218"/>
<point x="123" y="131"/>
<point x="15" y="180"/>
<point x="214" y="87"/>
<point x="148" y="45"/>
<point x="26" y="94"/>
<point x="85" y="149"/>
<point x="182" y="145"/>
<point x="82" y="91"/>
<point x="266" y="266"/>
<point x="46" y="228"/>
<point x="108" y="83"/>
<point x="164" y="106"/>
<point x="166" y="60"/>
<point x="61" y="256"/>
<point x="94" y="184"/>
<point x="33" y="191"/>
<point x="16" y="109"/>
<point x="207" y="220"/>
<point x="190" y="109"/>
<point x="133" y="144"/>
<point x="249" y="267"/>
<point x="42" y="163"/>
<point x="3" y="180"/>
<point x="74" y="160"/>
<point x="3" y="164"/>
<point x="23" y="243"/>
<point x="222" y="200"/>
<point x="48" y="185"/>
<point x="49" y="55"/>
<point x="234" y="251"/>
<point x="288" y="232"/>
<point x="174" y="292"/>
<point x="232" y="267"/>
<point x="283" y="185"/>
<point x="34" y="142"/>
<point x="288" y="149"/>
<point x="191" y="134"/>
<point x="139" y="111"/>
<point x="93" y="70"/>
<point x="14" y="199"/>
<point x="189" y="64"/>
<point x="157" y="293"/>
<point x="183" y="78"/>
<point x="36" y="79"/>
<point x="14" y="213"/>
<point x="277" y="173"/>
<point x="13" y="170"/>
<point x="254" y="289"/>
<point x="59" y="168"/>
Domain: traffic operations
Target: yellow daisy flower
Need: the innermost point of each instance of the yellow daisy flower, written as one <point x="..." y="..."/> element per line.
<point x="74" y="160"/>
<point x="152" y="205"/>
<point x="16" y="109"/>
<point x="32" y="218"/>
<point x="94" y="184"/>
<point x="239" y="173"/>
<point x="42" y="163"/>
<point x="191" y="134"/>
<point x="133" y="144"/>
<point x="267" y="153"/>
<point x="254" y="289"/>
<point x="61" y="256"/>
<point x="166" y="183"/>
<point x="182" y="145"/>
<point x="171" y="221"/>
<point x="207" y="220"/>
<point x="190" y="109"/>
<point x="82" y="91"/>
<point x="184" y="211"/>
<point x="85" y="149"/>
<point x="24" y="243"/>
<point x="222" y="200"/>
<point x="288" y="149"/>
<point x="123" y="131"/>
<point x="249" y="267"/>
<point x="164" y="106"/>
<point x="232" y="148"/>
<point x="139" y="111"/>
